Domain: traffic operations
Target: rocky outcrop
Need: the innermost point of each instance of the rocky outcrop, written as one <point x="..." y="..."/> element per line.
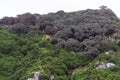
<point x="36" y="75"/>
<point x="103" y="65"/>
<point x="52" y="77"/>
<point x="107" y="52"/>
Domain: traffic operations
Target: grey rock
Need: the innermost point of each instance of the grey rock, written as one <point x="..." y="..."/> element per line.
<point x="36" y="75"/>
<point x="110" y="65"/>
<point x="52" y="77"/>
<point x="103" y="65"/>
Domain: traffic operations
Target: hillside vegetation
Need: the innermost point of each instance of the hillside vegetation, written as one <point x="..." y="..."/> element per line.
<point x="67" y="45"/>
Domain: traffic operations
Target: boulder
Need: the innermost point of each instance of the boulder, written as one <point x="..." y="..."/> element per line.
<point x="52" y="77"/>
<point x="36" y="75"/>
<point x="103" y="65"/>
<point x="110" y="65"/>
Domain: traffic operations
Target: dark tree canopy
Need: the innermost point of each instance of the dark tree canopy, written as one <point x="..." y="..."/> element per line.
<point x="84" y="31"/>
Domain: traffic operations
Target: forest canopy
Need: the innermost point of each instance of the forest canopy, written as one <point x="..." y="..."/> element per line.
<point x="64" y="45"/>
<point x="85" y="31"/>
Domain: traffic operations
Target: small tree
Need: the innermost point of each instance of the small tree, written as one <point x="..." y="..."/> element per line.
<point x="103" y="7"/>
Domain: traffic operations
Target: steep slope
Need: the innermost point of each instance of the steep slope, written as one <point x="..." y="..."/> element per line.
<point x="85" y="31"/>
<point x="66" y="46"/>
<point x="90" y="72"/>
<point x="20" y="56"/>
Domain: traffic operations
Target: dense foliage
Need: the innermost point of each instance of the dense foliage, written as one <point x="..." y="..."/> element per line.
<point x="20" y="56"/>
<point x="66" y="45"/>
<point x="91" y="73"/>
<point x="85" y="31"/>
